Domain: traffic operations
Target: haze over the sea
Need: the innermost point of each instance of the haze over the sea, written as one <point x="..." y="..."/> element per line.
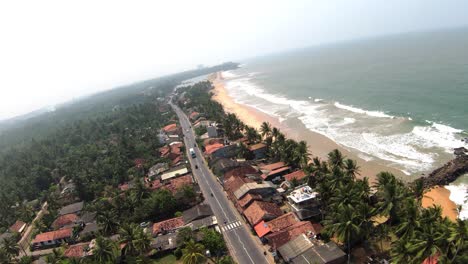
<point x="400" y="99"/>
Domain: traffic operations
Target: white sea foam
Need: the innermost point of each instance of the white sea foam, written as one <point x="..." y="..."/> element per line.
<point x="228" y="75"/>
<point x="317" y="100"/>
<point x="367" y="132"/>
<point x="458" y="194"/>
<point x="361" y="111"/>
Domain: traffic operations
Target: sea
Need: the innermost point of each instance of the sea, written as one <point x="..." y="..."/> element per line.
<point x="400" y="100"/>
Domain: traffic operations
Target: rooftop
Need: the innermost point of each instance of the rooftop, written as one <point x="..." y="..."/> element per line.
<point x="244" y="201"/>
<point x="275" y="172"/>
<point x="196" y="212"/>
<point x="18" y="226"/>
<point x="295" y="247"/>
<point x="280" y="238"/>
<point x="272" y="166"/>
<point x="168" y="225"/>
<point x="240" y="171"/>
<point x="244" y="189"/>
<point x="257" y="146"/>
<point x="258" y="210"/>
<point x="65" y="220"/>
<point x="175" y="173"/>
<point x="53" y="235"/>
<point x="302" y="193"/>
<point x="276" y="224"/>
<point x="213" y="147"/>
<point x="321" y="254"/>
<point x="71" y="208"/>
<point x="75" y="251"/>
<point x="176" y="183"/>
<point x="298" y="175"/>
<point x="170" y="128"/>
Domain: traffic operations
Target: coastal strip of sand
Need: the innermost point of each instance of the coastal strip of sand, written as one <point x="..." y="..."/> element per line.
<point x="319" y="145"/>
<point x="439" y="195"/>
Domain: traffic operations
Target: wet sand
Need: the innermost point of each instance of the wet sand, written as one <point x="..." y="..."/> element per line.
<point x="441" y="196"/>
<point x="319" y="145"/>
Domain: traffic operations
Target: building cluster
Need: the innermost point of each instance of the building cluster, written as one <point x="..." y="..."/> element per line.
<point x="274" y="199"/>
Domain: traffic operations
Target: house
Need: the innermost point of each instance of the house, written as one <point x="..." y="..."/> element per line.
<point x="165" y="242"/>
<point x="273" y="166"/>
<point x="52" y="238"/>
<point x="177" y="183"/>
<point x="74" y="208"/>
<point x="303" y="250"/>
<point x="175" y="172"/>
<point x="275" y="175"/>
<point x="241" y="171"/>
<point x="298" y="175"/>
<point x="212" y="131"/>
<point x="89" y="231"/>
<point x="18" y="227"/>
<point x="209" y="221"/>
<point x="87" y="217"/>
<point x="265" y="189"/>
<point x="221" y="151"/>
<point x="221" y="165"/>
<point x="170" y="128"/>
<point x="76" y="251"/>
<point x="67" y="220"/>
<point x="168" y="226"/>
<point x="246" y="201"/>
<point x="197" y="212"/>
<point x="258" y="150"/>
<point x="304" y="202"/>
<point x="194" y="116"/>
<point x="260" y="210"/>
<point x="280" y="223"/>
<point x="202" y="123"/>
<point x="277" y="239"/>
<point x="158" y="169"/>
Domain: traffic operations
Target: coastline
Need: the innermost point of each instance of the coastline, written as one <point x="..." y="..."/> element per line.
<point x="440" y="196"/>
<point x="319" y="145"/>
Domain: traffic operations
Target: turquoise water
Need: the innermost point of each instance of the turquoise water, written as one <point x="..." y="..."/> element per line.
<point x="400" y="99"/>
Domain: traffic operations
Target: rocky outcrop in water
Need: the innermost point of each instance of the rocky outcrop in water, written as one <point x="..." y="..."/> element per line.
<point x="450" y="171"/>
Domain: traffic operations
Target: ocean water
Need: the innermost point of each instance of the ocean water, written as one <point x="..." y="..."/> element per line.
<point x="400" y="100"/>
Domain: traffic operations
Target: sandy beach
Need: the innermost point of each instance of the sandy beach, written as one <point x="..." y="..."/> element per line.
<point x="320" y="145"/>
<point x="440" y="196"/>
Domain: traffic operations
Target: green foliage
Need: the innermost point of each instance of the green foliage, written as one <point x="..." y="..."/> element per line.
<point x="213" y="241"/>
<point x="200" y="130"/>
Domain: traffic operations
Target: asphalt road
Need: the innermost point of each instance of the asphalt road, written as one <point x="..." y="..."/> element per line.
<point x="241" y="243"/>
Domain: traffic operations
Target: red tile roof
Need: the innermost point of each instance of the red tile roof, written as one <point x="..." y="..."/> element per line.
<point x="299" y="175"/>
<point x="177" y="183"/>
<point x="75" y="251"/>
<point x="18" y="226"/>
<point x="154" y="185"/>
<point x="434" y="259"/>
<point x="247" y="199"/>
<point x="164" y="151"/>
<point x="259" y="210"/>
<point x="53" y="235"/>
<point x="211" y="141"/>
<point x="276" y="225"/>
<point x="170" y="128"/>
<point x="194" y="114"/>
<point x="273" y="166"/>
<point x="274" y="172"/>
<point x="233" y="183"/>
<point x="212" y="148"/>
<point x="176" y="160"/>
<point x="240" y="171"/>
<point x="257" y="146"/>
<point x="64" y="220"/>
<point x="168" y="225"/>
<point x="277" y="239"/>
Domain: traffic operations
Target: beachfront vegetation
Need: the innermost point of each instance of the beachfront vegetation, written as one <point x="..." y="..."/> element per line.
<point x="385" y="218"/>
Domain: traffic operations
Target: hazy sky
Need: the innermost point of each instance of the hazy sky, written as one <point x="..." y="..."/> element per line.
<point x="53" y="51"/>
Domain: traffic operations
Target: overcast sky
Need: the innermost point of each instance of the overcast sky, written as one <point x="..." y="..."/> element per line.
<point x="54" y="51"/>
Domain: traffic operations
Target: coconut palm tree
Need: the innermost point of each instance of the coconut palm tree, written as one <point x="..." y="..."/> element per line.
<point x="418" y="190"/>
<point x="4" y="257"/>
<point x="351" y="168"/>
<point x="252" y="134"/>
<point x="458" y="238"/>
<point x="107" y="221"/>
<point x="193" y="253"/>
<point x="56" y="256"/>
<point x="105" y="250"/>
<point x="11" y="247"/>
<point x="275" y="132"/>
<point x="302" y="154"/>
<point x="390" y="193"/>
<point x="410" y="220"/>
<point x="400" y="252"/>
<point x="336" y="158"/>
<point x="265" y="129"/>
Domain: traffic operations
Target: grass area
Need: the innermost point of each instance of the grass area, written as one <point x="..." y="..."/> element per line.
<point x="168" y="259"/>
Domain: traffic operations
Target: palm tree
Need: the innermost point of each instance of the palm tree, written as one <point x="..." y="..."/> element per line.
<point x="458" y="237"/>
<point x="107" y="221"/>
<point x="390" y="193"/>
<point x="346" y="225"/>
<point x="351" y="168"/>
<point x="265" y="129"/>
<point x="252" y="134"/>
<point x="193" y="253"/>
<point x="275" y="132"/>
<point x="11" y="247"/>
<point x="410" y="220"/>
<point x="400" y="252"/>
<point x="336" y="158"/>
<point x="4" y="257"/>
<point x="418" y="190"/>
<point x="302" y="154"/>
<point x="105" y="250"/>
<point x="136" y="241"/>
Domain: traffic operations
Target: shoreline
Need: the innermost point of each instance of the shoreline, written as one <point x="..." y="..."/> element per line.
<point x="319" y="145"/>
<point x="439" y="195"/>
